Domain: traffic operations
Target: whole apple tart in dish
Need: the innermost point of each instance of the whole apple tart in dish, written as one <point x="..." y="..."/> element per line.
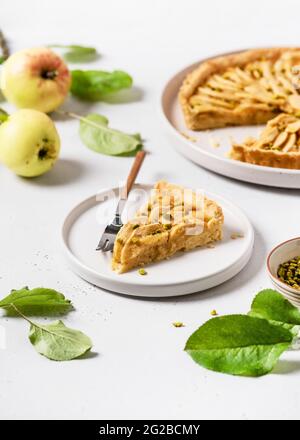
<point x="277" y="146"/>
<point x="244" y="88"/>
<point x="174" y="219"/>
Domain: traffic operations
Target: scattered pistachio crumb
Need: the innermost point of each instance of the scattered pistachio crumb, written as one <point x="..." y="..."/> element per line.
<point x="142" y="271"/>
<point x="236" y="235"/>
<point x="177" y="324"/>
<point x="214" y="313"/>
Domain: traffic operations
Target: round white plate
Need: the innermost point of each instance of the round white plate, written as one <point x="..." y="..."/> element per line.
<point x="202" y="150"/>
<point x="185" y="273"/>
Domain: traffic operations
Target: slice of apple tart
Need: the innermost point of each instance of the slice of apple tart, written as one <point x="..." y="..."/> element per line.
<point x="174" y="219"/>
<point x="277" y="146"/>
<point x="244" y="88"/>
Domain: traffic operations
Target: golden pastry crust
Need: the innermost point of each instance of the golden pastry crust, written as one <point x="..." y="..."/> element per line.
<point x="277" y="146"/>
<point x="166" y="225"/>
<point x="244" y="88"/>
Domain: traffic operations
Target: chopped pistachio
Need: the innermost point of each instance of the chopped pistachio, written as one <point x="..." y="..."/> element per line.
<point x="142" y="271"/>
<point x="135" y="240"/>
<point x="177" y="324"/>
<point x="289" y="272"/>
<point x="156" y="232"/>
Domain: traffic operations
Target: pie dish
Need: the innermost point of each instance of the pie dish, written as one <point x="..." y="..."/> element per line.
<point x="174" y="219"/>
<point x="244" y="88"/>
<point x="277" y="146"/>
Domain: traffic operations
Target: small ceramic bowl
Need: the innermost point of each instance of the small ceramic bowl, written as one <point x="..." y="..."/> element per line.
<point x="280" y="254"/>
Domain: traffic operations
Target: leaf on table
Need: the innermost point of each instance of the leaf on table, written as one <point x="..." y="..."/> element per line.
<point x="74" y="53"/>
<point x="93" y="85"/>
<point x="95" y="134"/>
<point x="239" y="345"/>
<point x="58" y="342"/>
<point x="36" y="301"/>
<point x="271" y="305"/>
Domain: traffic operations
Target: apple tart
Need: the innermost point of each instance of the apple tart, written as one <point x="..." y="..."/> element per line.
<point x="277" y="146"/>
<point x="174" y="219"/>
<point x="244" y="88"/>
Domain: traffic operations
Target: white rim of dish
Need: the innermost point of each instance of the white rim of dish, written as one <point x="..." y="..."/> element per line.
<point x="174" y="131"/>
<point x="276" y="280"/>
<point x="285" y="291"/>
<point x="69" y="221"/>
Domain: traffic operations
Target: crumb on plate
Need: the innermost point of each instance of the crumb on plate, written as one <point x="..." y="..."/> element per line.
<point x="187" y="136"/>
<point x="214" y="142"/>
<point x="177" y="324"/>
<point x="142" y="271"/>
<point x="210" y="246"/>
<point x="236" y="235"/>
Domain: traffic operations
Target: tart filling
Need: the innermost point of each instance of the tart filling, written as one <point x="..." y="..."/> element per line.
<point x="246" y="88"/>
<point x="174" y="219"/>
<point x="277" y="146"/>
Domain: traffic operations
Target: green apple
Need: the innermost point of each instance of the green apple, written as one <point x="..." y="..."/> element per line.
<point x="29" y="143"/>
<point x="35" y="78"/>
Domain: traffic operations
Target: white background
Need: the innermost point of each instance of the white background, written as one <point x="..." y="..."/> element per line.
<point x="138" y="369"/>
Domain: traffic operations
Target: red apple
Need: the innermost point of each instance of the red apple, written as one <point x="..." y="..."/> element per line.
<point x="35" y="78"/>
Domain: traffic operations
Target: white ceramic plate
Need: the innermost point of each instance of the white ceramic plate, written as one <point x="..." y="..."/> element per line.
<point x="205" y="154"/>
<point x="185" y="273"/>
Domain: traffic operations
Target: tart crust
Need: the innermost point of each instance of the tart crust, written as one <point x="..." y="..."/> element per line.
<point x="278" y="145"/>
<point x="173" y="220"/>
<point x="215" y="111"/>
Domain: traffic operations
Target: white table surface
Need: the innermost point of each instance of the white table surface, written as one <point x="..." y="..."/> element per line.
<point x="138" y="369"/>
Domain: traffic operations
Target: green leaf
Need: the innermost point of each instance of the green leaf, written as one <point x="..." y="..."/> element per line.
<point x="239" y="345"/>
<point x="77" y="54"/>
<point x="58" y="342"/>
<point x="95" y="134"/>
<point x="93" y="85"/>
<point x="2" y="59"/>
<point x="270" y="304"/>
<point x="3" y="115"/>
<point x="36" y="300"/>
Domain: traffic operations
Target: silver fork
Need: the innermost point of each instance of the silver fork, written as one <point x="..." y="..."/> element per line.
<point x="107" y="240"/>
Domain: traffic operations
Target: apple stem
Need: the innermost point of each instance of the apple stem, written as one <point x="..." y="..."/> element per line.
<point x="49" y="74"/>
<point x="4" y="46"/>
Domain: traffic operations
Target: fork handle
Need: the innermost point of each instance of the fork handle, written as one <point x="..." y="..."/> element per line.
<point x="139" y="158"/>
